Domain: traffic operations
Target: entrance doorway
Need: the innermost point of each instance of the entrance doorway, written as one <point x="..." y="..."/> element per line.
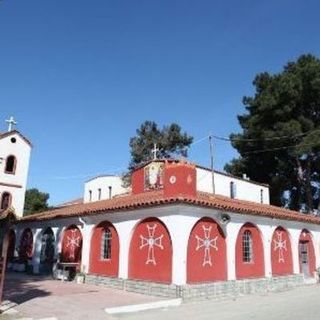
<point x="304" y="258"/>
<point x="47" y="251"/>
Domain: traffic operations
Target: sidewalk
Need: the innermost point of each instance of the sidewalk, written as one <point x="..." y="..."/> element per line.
<point x="38" y="297"/>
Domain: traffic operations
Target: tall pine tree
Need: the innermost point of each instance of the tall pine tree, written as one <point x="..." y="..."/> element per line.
<point x="280" y="139"/>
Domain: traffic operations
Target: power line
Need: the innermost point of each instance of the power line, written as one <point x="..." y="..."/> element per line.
<point x="266" y="139"/>
<point x="279" y="148"/>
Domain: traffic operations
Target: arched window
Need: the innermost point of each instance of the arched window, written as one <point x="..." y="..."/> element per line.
<point x="11" y="164"/>
<point x="5" y="200"/>
<point x="247" y="252"/>
<point x="106" y="244"/>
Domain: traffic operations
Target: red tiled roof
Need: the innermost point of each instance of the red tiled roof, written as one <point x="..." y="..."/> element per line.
<point x="6" y="134"/>
<point x="70" y="202"/>
<point x="157" y="198"/>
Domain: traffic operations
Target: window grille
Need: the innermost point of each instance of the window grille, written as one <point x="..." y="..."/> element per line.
<point x="106" y="244"/>
<point x="247" y="250"/>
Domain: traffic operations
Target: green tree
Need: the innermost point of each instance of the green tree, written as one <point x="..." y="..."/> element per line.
<point x="280" y="139"/>
<point x="35" y="201"/>
<point x="170" y="141"/>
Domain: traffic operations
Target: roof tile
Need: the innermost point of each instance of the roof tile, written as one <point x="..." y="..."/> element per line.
<point x="155" y="198"/>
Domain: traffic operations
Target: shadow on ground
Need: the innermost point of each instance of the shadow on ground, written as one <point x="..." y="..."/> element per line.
<point x="20" y="288"/>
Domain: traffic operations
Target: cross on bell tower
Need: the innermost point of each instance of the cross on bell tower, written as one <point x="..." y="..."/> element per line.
<point x="11" y="122"/>
<point x="154" y="151"/>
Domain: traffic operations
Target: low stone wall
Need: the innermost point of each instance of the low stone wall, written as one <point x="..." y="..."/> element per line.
<point x="235" y="288"/>
<point x="203" y="291"/>
<point x="139" y="286"/>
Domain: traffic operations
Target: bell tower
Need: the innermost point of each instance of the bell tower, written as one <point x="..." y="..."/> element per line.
<point x="15" y="150"/>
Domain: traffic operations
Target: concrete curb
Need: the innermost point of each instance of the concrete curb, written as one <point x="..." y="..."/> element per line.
<point x="8" y="307"/>
<point x="144" y="306"/>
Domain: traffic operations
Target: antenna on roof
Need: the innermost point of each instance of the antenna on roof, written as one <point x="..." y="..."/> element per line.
<point x="11" y="122"/>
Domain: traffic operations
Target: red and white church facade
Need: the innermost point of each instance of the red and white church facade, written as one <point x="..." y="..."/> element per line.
<point x="166" y="231"/>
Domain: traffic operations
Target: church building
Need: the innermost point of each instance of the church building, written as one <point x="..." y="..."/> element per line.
<point x="178" y="231"/>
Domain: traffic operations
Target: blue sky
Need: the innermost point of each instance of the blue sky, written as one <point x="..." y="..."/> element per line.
<point x="81" y="76"/>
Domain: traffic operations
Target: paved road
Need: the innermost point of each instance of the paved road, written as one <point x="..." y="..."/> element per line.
<point x="37" y="298"/>
<point x="299" y="304"/>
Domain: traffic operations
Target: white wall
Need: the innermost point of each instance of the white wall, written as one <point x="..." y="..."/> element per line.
<point x="103" y="183"/>
<point x="245" y="189"/>
<point x="21" y="150"/>
<point x="179" y="220"/>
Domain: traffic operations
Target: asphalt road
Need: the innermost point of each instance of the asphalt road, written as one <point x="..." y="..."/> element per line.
<point x="299" y="304"/>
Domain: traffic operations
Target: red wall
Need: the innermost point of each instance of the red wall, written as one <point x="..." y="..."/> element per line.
<point x="281" y="253"/>
<point x="180" y="179"/>
<point x="157" y="268"/>
<point x="109" y="267"/>
<point x="71" y="245"/>
<point x="12" y="244"/>
<point x="305" y="236"/>
<point x="26" y="245"/>
<point x="137" y="180"/>
<point x="254" y="269"/>
<point x="206" y="264"/>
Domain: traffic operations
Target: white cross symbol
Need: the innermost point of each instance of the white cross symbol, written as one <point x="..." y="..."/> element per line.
<point x="11" y="122"/>
<point x="281" y="245"/>
<point x="73" y="242"/>
<point x="151" y="242"/>
<point x="207" y="243"/>
<point x="155" y="151"/>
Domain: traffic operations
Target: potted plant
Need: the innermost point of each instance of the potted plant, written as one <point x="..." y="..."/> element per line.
<point x="80" y="277"/>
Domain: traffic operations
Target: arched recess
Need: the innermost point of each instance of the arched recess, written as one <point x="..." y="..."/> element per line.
<point x="206" y="256"/>
<point x="104" y="250"/>
<point x="249" y="253"/>
<point x="11" y="245"/>
<point x="307" y="258"/>
<point x="281" y="253"/>
<point x="11" y="164"/>
<point x="71" y="248"/>
<point x="26" y="245"/>
<point x="6" y="200"/>
<point x="47" y="251"/>
<point x="150" y="256"/>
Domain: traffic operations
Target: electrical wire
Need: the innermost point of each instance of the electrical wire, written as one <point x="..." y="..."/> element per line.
<point x="266" y="139"/>
<point x="279" y="148"/>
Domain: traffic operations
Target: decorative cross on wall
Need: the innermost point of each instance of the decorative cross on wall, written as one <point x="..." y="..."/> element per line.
<point x="206" y="243"/>
<point x="280" y="245"/>
<point x="73" y="242"/>
<point x="151" y="242"/>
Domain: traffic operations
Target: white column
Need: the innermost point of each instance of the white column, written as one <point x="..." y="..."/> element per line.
<point x="294" y="236"/>
<point x="125" y="230"/>
<point x="179" y="228"/>
<point x="266" y="236"/>
<point x="36" y="250"/>
<point x="86" y="243"/>
<point x="231" y="230"/>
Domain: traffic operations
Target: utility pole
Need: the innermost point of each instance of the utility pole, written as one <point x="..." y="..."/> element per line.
<point x="211" y="163"/>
